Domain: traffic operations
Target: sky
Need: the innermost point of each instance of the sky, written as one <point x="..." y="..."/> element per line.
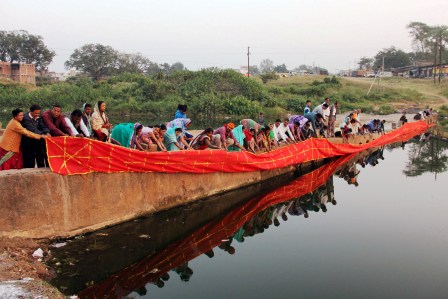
<point x="217" y="33"/>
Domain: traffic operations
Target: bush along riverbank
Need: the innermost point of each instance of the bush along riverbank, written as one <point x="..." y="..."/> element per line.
<point x="208" y="93"/>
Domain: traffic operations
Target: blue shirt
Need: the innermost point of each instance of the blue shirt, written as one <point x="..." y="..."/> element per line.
<point x="179" y="114"/>
<point x="307" y="110"/>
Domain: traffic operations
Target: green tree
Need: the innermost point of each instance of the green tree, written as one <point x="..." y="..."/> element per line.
<point x="426" y="157"/>
<point x="177" y="66"/>
<point x="365" y="63"/>
<point x="95" y="60"/>
<point x="266" y="66"/>
<point x="420" y="32"/>
<point x="393" y="58"/>
<point x="426" y="38"/>
<point x="23" y="47"/>
<point x="132" y="63"/>
<point x="281" y="68"/>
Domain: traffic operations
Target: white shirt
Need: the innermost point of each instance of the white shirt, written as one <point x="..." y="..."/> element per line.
<point x="279" y="132"/>
<point x="286" y="129"/>
<point x="75" y="132"/>
<point x="355" y="127"/>
<point x="326" y="112"/>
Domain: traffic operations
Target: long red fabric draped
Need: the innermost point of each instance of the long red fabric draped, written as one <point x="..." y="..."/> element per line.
<point x="69" y="155"/>
<point x="207" y="237"/>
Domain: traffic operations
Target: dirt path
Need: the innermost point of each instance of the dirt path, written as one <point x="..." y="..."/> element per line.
<point x="441" y="97"/>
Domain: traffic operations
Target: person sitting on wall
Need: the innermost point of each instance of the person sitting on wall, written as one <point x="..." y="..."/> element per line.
<point x="344" y="130"/>
<point x="138" y="140"/>
<point x="296" y="131"/>
<point x="306" y="131"/>
<point x="223" y="137"/>
<point x="101" y="126"/>
<point x="76" y="125"/>
<point x="355" y="127"/>
<point x="263" y="139"/>
<point x="34" y="151"/>
<point x="10" y="155"/>
<point x="183" y="123"/>
<point x="87" y="117"/>
<point x="150" y="134"/>
<point x="316" y="120"/>
<point x="204" y="140"/>
<point x="159" y="131"/>
<point x="55" y="122"/>
<point x="373" y="126"/>
<point x="144" y="139"/>
<point x="250" y="124"/>
<point x="287" y="130"/>
<point x="403" y="119"/>
<point x="282" y="132"/>
<point x="249" y="140"/>
<point x="174" y="140"/>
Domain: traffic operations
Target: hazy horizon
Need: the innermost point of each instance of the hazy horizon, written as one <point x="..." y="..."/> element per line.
<point x="201" y="34"/>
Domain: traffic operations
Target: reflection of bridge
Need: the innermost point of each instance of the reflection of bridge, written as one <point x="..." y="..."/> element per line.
<point x="252" y="217"/>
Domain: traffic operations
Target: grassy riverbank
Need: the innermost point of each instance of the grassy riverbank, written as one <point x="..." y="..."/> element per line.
<point x="223" y="94"/>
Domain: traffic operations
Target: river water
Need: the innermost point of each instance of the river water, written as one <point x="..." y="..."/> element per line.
<point x="375" y="228"/>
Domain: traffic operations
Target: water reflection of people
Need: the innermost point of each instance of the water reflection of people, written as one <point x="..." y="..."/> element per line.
<point x="184" y="272"/>
<point x="227" y="247"/>
<point x="350" y="172"/>
<point x="210" y="253"/>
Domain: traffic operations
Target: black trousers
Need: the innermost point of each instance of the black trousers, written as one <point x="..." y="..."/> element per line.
<point x="34" y="152"/>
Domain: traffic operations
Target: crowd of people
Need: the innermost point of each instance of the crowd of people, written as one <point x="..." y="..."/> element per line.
<point x="23" y="142"/>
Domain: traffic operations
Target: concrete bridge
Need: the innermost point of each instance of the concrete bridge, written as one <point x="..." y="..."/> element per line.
<point x="37" y="203"/>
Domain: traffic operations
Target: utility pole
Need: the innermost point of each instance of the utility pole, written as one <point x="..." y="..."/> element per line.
<point x="381" y="74"/>
<point x="248" y="67"/>
<point x="435" y="59"/>
<point x="440" y="57"/>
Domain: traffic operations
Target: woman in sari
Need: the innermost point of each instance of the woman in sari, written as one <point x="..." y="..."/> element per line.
<point x="250" y="124"/>
<point x="173" y="140"/>
<point x="100" y="123"/>
<point x="240" y="137"/>
<point x="144" y="139"/>
<point x="10" y="155"/>
<point x="182" y="123"/>
<point x="204" y="140"/>
<point x="123" y="134"/>
<point x="263" y="138"/>
<point x="298" y="122"/>
<point x="300" y="119"/>
<point x="159" y="132"/>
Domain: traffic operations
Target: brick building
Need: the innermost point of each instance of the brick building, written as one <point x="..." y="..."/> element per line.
<point x="19" y="72"/>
